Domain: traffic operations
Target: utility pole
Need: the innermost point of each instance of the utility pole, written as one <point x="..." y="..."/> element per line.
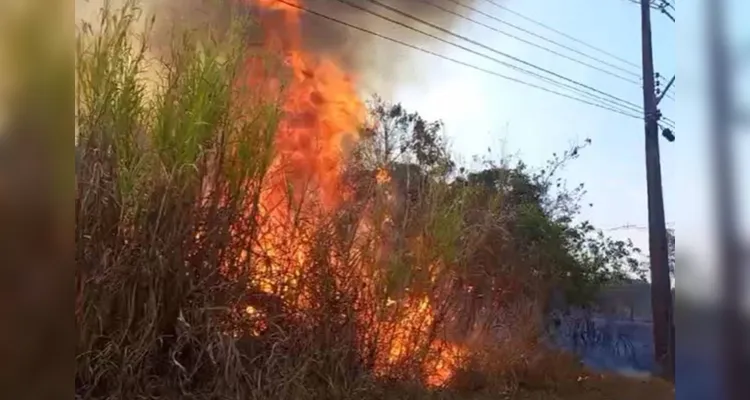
<point x="661" y="290"/>
<point x="729" y="247"/>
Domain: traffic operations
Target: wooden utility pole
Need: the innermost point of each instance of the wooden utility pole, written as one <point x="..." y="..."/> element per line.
<point x="661" y="293"/>
<point x="730" y="252"/>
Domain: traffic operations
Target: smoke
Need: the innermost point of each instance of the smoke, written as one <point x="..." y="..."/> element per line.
<point x="378" y="65"/>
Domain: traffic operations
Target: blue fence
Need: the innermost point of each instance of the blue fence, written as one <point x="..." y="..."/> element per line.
<point x="625" y="346"/>
<point x="606" y="343"/>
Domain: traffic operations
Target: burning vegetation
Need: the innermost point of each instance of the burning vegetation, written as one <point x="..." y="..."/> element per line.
<point x="303" y="192"/>
<point x="249" y="227"/>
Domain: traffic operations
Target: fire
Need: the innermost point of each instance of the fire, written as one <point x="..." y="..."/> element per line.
<point x="412" y="332"/>
<point x="382" y="176"/>
<point x="322" y="112"/>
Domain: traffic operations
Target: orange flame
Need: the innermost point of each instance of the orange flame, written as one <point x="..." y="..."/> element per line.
<point x="321" y="112"/>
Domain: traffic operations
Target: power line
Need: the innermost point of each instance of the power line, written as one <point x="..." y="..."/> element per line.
<point x="509" y="65"/>
<point x="546" y="39"/>
<point x="613" y="108"/>
<point x="563" y="34"/>
<point x="670" y="225"/>
<point x="623" y="103"/>
<point x="618" y="76"/>
<point x="456" y="61"/>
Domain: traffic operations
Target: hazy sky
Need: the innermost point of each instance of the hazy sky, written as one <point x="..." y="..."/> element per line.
<point x="481" y="110"/>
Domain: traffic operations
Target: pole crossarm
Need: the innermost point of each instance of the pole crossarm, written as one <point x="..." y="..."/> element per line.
<point x="666" y="89"/>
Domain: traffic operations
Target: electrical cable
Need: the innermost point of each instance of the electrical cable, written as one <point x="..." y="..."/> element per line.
<point x="622" y="103"/>
<point x="456" y="61"/>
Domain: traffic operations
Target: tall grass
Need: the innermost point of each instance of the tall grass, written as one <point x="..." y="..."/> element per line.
<point x="154" y="311"/>
<point x="173" y="268"/>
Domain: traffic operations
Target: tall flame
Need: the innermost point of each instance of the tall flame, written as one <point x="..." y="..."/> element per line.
<point x="321" y="112"/>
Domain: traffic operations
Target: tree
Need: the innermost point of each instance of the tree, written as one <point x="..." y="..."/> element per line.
<point x="399" y="136"/>
<point x="531" y="241"/>
<point x="538" y="212"/>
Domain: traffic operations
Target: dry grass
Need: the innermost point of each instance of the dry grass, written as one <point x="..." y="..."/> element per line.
<point x="172" y="247"/>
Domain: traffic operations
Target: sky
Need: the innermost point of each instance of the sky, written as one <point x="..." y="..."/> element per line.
<point x="481" y="110"/>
